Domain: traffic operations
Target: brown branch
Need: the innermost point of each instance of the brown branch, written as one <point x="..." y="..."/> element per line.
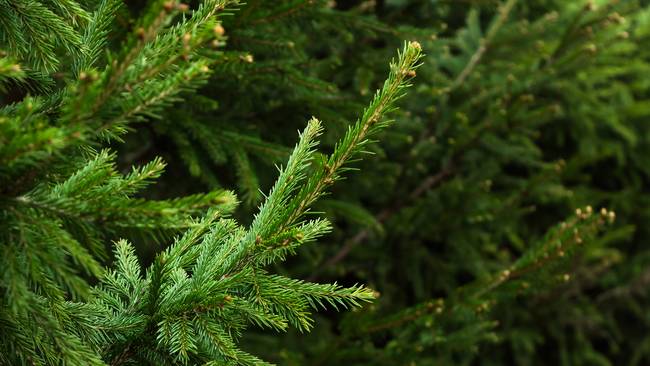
<point x="122" y="357"/>
<point x="427" y="184"/>
<point x="637" y="286"/>
<point x="504" y="11"/>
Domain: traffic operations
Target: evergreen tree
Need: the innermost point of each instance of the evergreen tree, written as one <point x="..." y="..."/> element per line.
<point x="62" y="199"/>
<point x="484" y="223"/>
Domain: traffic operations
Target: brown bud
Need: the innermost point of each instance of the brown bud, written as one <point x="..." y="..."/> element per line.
<point x="611" y="216"/>
<point x="168" y="6"/>
<point x="505" y="274"/>
<point x="416" y="45"/>
<point x="140" y="33"/>
<point x="218" y="30"/>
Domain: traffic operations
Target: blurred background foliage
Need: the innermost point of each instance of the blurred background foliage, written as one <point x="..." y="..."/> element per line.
<point x="479" y="219"/>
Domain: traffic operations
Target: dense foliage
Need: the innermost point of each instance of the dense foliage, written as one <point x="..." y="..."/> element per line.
<point x="500" y="220"/>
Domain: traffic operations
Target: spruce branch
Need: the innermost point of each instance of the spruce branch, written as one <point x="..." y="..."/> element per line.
<point x="280" y="210"/>
<point x="34" y="31"/>
<point x="548" y="256"/>
<point x="357" y="136"/>
<point x="210" y="284"/>
<point x="352" y="144"/>
<point x="150" y="69"/>
<point x="94" y="37"/>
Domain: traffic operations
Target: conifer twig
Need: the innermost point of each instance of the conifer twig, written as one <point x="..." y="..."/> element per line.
<point x="327" y="171"/>
<point x="435" y="179"/>
<point x="356" y="137"/>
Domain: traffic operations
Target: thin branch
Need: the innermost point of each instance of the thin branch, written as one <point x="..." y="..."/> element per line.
<point x="504" y="11"/>
<point x="426" y="185"/>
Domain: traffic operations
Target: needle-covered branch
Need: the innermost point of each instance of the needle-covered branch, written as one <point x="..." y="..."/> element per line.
<point x="288" y="200"/>
<point x="211" y="284"/>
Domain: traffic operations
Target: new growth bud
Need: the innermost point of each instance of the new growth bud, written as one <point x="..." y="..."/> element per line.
<point x="140" y="33"/>
<point x="168" y="6"/>
<point x="218" y="30"/>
